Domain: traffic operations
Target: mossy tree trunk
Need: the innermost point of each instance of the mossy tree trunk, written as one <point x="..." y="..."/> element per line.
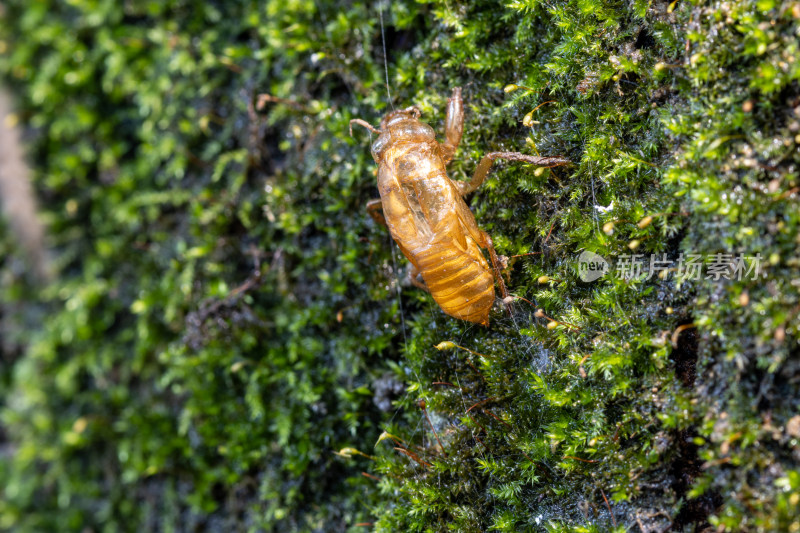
<point x="226" y="317"/>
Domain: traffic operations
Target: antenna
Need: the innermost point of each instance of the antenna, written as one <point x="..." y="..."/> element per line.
<point x="385" y="59"/>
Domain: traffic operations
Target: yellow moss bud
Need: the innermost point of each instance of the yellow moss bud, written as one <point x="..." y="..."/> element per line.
<point x="510" y="88"/>
<point x="350" y="452"/>
<point x="386" y="435"/>
<point x="634" y="244"/>
<point x="446" y="345"/>
<point x="671" y="7"/>
<point x="544" y="279"/>
<point x="608" y="228"/>
<point x="645" y="222"/>
<point x="527" y="120"/>
<point x="347" y="452"/>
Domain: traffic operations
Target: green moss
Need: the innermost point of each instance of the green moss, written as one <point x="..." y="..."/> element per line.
<point x="226" y="317"/>
<point x="740" y="175"/>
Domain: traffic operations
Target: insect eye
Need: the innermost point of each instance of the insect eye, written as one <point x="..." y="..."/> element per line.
<point x="413" y="111"/>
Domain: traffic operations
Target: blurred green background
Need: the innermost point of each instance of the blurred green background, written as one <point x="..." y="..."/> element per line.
<point x="226" y="341"/>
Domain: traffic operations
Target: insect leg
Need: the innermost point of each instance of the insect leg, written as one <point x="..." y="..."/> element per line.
<point x="486" y="163"/>
<point x="364" y="123"/>
<point x="453" y="125"/>
<point x="489" y="245"/>
<point x="375" y="210"/>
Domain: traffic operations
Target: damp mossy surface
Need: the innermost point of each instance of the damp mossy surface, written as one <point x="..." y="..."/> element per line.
<point x="231" y="343"/>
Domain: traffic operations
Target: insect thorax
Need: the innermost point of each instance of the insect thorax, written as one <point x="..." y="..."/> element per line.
<point x="402" y="130"/>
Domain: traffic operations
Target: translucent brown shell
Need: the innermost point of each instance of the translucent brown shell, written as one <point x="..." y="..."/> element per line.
<point x="426" y="214"/>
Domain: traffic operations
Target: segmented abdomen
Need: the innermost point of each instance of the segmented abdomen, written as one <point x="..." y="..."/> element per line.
<point x="460" y="281"/>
